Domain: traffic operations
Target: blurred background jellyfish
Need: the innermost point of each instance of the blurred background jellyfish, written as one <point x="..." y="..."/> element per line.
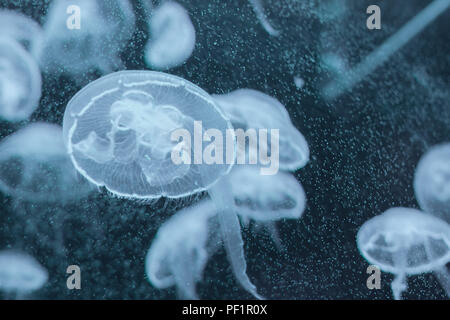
<point x="36" y="172"/>
<point x="405" y="241"/>
<point x="432" y="181"/>
<point x="172" y="36"/>
<point x="20" y="27"/>
<point x="120" y="130"/>
<point x="251" y="109"/>
<point x="181" y="248"/>
<point x="84" y="36"/>
<point x="20" y="274"/>
<point x="35" y="166"/>
<point x="20" y="81"/>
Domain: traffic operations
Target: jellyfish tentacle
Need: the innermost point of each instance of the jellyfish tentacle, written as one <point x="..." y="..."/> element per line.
<point x="399" y="285"/>
<point x="231" y="233"/>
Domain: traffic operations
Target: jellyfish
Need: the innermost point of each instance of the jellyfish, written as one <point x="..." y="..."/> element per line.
<point x="35" y="166"/>
<point x="20" y="273"/>
<point x="251" y="109"/>
<point x="20" y="81"/>
<point x="405" y="241"/>
<point x="82" y="36"/>
<point x="179" y="258"/>
<point x="36" y="172"/>
<point x="266" y="199"/>
<point x="432" y="181"/>
<point x="119" y="132"/>
<point x="172" y="37"/>
<point x="20" y="27"/>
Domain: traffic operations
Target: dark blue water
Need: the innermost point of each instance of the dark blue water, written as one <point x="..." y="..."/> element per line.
<point x="364" y="149"/>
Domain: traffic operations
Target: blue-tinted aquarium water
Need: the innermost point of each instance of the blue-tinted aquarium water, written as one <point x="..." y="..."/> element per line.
<point x="239" y="149"/>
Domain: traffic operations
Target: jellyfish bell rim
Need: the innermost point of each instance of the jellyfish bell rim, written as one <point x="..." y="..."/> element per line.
<point x="34" y="32"/>
<point x="159" y="77"/>
<point x="382" y="221"/>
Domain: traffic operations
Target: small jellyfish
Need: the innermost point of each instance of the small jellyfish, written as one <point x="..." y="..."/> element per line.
<point x="405" y="241"/>
<point x="20" y="273"/>
<point x="20" y="81"/>
<point x="432" y="181"/>
<point x="34" y="166"/>
<point x="82" y="36"/>
<point x="172" y="37"/>
<point x="119" y="134"/>
<point x="20" y="27"/>
<point x="266" y="197"/>
<point x="179" y="258"/>
<point x="251" y="109"/>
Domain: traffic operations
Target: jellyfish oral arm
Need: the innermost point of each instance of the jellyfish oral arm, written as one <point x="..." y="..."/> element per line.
<point x="230" y="229"/>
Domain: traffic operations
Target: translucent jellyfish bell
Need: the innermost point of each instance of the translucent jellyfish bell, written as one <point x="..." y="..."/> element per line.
<point x="34" y="166"/>
<point x="20" y="273"/>
<point x="118" y="133"/>
<point x="20" y="81"/>
<point x="432" y="181"/>
<point x="105" y="26"/>
<point x="266" y="197"/>
<point x="179" y="258"/>
<point x="169" y="24"/>
<point x="405" y="242"/>
<point x="20" y="27"/>
<point x="251" y="109"/>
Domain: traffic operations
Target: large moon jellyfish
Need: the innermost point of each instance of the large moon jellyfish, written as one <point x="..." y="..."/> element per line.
<point x="405" y="241"/>
<point x="172" y="36"/>
<point x="20" y="27"/>
<point x="34" y="166"/>
<point x="179" y="258"/>
<point x="20" y="273"/>
<point x="20" y="81"/>
<point x="118" y="131"/>
<point x="432" y="181"/>
<point x="88" y="37"/>
<point x="251" y="109"/>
